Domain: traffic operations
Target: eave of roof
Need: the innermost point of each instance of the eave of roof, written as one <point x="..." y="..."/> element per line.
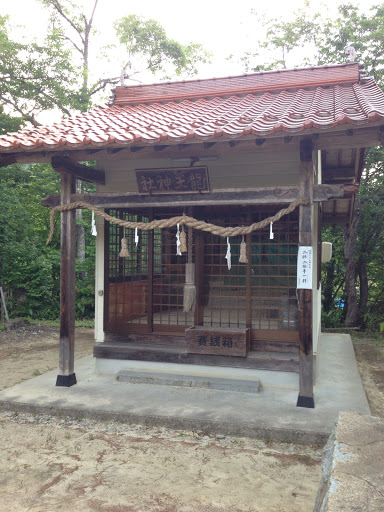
<point x="320" y="99"/>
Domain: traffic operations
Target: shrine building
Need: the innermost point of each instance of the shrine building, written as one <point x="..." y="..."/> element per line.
<point x="209" y="204"/>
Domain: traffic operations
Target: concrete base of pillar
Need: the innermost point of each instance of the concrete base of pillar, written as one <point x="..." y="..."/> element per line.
<point x="66" y="380"/>
<point x="306" y="401"/>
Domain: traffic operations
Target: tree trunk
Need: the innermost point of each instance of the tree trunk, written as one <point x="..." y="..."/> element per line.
<point x="328" y="286"/>
<point x="350" y="237"/>
<point x="363" y="278"/>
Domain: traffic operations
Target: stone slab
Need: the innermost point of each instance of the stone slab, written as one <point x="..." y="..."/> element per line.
<point x="161" y="379"/>
<point x="353" y="466"/>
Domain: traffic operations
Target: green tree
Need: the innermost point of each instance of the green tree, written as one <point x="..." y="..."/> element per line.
<point x="370" y="242"/>
<point x="33" y="78"/>
<point x="28" y="270"/>
<point x="141" y="45"/>
<point x="58" y="73"/>
<point x="324" y="41"/>
<point x="321" y="39"/>
<point x="149" y="49"/>
<point x="144" y="46"/>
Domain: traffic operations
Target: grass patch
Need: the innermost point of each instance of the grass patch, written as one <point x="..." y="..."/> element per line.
<point x="367" y="337"/>
<point x="86" y="322"/>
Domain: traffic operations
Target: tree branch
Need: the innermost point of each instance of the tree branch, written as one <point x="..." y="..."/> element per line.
<point x="72" y="43"/>
<point x="56" y="5"/>
<point x="93" y="13"/>
<point x="102" y="84"/>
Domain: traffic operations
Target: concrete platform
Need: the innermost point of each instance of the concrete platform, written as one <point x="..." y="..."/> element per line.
<point x="270" y="414"/>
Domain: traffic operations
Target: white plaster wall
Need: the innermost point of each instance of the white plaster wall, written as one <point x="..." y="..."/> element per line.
<point x="99" y="281"/>
<point x="259" y="169"/>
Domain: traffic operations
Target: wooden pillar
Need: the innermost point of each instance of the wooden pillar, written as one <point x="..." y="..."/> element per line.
<point x="305" y="299"/>
<point x="199" y="277"/>
<point x="67" y="376"/>
<point x="151" y="265"/>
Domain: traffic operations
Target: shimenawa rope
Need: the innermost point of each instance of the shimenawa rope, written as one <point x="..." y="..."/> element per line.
<point x="183" y="220"/>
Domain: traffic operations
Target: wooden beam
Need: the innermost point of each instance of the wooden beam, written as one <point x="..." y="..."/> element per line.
<point x="7" y="160"/>
<point x="304" y="314"/>
<point x="333" y="138"/>
<point x="338" y="173"/>
<point x="261" y="196"/>
<point x="114" y="151"/>
<point x="81" y="172"/>
<point x="67" y="375"/>
<point x="360" y="138"/>
<point x="360" y="163"/>
<point x="334" y="220"/>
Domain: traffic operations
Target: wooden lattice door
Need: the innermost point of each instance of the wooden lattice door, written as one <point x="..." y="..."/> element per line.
<point x="144" y="293"/>
<point x="127" y="279"/>
<point x="260" y="294"/>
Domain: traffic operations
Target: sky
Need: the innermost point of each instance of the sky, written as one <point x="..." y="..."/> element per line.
<point x="222" y="27"/>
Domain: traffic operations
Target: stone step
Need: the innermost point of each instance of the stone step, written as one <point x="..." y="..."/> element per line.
<point x="276" y="346"/>
<point x="282" y="361"/>
<point x="189" y="381"/>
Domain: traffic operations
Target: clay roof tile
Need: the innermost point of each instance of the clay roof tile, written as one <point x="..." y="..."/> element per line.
<point x="260" y="104"/>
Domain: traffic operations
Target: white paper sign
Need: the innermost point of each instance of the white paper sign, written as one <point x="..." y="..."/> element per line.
<point x="93" y="225"/>
<point x="228" y="256"/>
<point x="178" y="242"/>
<point x="304" y="267"/>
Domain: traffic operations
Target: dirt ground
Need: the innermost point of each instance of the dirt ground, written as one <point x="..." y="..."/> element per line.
<point x="59" y="464"/>
<point x="370" y="360"/>
<point x="31" y="350"/>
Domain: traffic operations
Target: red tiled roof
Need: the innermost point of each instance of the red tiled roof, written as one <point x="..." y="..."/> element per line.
<point x="255" y="83"/>
<point x="260" y="105"/>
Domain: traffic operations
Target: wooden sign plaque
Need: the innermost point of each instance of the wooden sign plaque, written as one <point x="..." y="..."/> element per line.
<point x="217" y="341"/>
<point x="175" y="180"/>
